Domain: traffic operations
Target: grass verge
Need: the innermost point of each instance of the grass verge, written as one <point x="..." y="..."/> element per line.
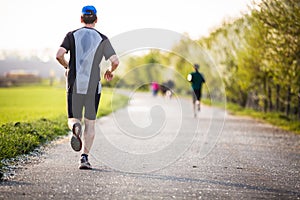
<point x="277" y="119"/>
<point x="23" y="137"/>
<point x="34" y="115"/>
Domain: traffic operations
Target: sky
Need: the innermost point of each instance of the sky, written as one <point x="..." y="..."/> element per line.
<point x="42" y="24"/>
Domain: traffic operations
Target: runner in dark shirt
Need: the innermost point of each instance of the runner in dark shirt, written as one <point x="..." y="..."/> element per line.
<point x="197" y="80"/>
<point x="87" y="47"/>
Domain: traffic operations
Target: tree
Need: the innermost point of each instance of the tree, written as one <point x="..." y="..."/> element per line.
<point x="281" y="18"/>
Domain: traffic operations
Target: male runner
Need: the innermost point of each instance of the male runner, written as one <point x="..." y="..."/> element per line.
<point x="196" y="79"/>
<point x="87" y="47"/>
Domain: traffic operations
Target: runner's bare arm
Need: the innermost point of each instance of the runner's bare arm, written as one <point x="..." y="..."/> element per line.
<point x="114" y="64"/>
<point x="60" y="56"/>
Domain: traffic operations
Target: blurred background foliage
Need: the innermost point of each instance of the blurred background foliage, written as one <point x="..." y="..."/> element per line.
<point x="256" y="57"/>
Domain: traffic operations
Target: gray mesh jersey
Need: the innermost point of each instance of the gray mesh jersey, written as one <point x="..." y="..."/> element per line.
<point x="87" y="47"/>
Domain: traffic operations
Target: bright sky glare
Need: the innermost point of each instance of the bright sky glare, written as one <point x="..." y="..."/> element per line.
<point x="40" y="24"/>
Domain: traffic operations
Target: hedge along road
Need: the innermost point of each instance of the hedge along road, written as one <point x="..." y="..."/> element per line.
<point x="155" y="148"/>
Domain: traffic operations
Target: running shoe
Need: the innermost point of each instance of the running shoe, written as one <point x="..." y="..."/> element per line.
<point x="84" y="162"/>
<point x="76" y="143"/>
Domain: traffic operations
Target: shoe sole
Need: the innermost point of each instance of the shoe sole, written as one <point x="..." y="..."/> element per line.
<point x="84" y="167"/>
<point x="76" y="142"/>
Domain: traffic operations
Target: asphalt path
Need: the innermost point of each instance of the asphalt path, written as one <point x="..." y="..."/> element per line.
<point x="155" y="149"/>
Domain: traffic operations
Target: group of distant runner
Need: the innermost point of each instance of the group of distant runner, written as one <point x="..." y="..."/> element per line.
<point x="166" y="88"/>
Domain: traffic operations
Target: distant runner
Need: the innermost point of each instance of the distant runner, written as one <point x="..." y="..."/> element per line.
<point x="154" y="88"/>
<point x="196" y="79"/>
<point x="87" y="47"/>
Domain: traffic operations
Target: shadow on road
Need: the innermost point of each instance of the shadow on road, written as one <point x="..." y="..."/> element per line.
<point x="202" y="181"/>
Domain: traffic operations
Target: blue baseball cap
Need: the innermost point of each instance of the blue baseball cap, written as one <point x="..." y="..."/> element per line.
<point x="89" y="10"/>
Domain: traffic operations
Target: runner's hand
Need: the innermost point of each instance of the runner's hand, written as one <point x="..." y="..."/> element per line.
<point x="108" y="75"/>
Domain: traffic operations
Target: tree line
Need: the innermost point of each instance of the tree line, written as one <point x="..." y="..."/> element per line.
<point x="260" y="56"/>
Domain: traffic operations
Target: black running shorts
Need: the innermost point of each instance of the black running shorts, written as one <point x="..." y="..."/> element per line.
<point x="76" y="103"/>
<point x="196" y="95"/>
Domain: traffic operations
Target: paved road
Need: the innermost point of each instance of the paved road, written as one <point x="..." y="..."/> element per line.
<point x="155" y="149"/>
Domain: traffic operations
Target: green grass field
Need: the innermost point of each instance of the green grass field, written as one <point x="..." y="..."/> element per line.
<point x="32" y="115"/>
<point x="35" y="102"/>
<point x="31" y="103"/>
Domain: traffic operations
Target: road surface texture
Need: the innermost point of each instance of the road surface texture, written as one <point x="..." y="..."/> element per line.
<point x="156" y="149"/>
